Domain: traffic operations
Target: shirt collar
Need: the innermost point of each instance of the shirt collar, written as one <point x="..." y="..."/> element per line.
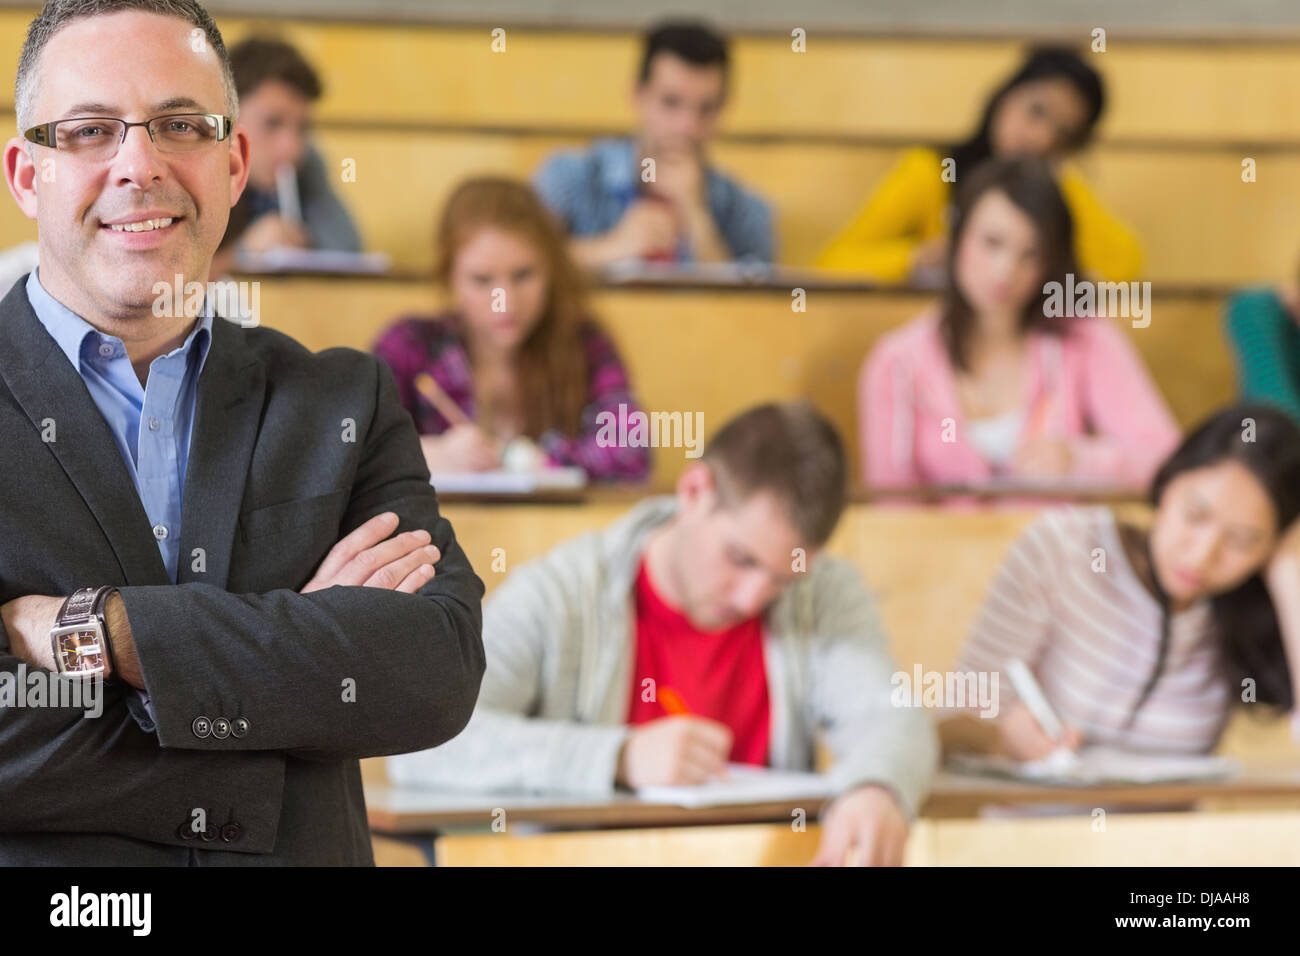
<point x="70" y="330"/>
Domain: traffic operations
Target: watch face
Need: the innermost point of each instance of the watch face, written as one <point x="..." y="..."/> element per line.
<point x="79" y="651"/>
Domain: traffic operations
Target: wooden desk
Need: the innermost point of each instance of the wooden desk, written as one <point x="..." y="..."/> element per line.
<point x="406" y="810"/>
<point x="1140" y="839"/>
<point x="963" y="795"/>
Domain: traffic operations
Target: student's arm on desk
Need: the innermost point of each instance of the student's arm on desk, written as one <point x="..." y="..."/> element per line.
<point x="1282" y="577"/>
<point x="884" y="756"/>
<point x="1013" y="623"/>
<point x="531" y="617"/>
<point x="849" y="695"/>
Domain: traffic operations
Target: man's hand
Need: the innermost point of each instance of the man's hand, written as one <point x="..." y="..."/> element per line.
<point x="674" y="751"/>
<point x="930" y="254"/>
<point x="271" y="231"/>
<point x="647" y="228"/>
<point x="28" y="621"/>
<point x="864" y="827"/>
<point x="679" y="177"/>
<point x="404" y="562"/>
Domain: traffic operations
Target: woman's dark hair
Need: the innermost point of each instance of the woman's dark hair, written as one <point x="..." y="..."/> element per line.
<point x="1028" y="183"/>
<point x="1042" y="63"/>
<point x="1267" y="443"/>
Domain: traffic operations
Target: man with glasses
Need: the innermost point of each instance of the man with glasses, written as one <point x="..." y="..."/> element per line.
<point x="237" y="537"/>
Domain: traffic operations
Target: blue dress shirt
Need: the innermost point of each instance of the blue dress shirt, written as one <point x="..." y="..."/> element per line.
<point x="589" y="190"/>
<point x="151" y="424"/>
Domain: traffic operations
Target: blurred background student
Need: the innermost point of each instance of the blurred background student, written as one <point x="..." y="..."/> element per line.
<point x="1048" y="109"/>
<point x="1150" y="650"/>
<point x="692" y="597"/>
<point x="1263" y="328"/>
<point x="517" y="354"/>
<point x="277" y="92"/>
<point x="986" y="384"/>
<point x="690" y="211"/>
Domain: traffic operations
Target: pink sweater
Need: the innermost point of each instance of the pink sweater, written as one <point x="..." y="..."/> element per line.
<point x="1087" y="387"/>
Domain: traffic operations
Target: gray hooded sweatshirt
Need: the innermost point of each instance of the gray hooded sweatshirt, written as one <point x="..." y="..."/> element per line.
<point x="559" y="634"/>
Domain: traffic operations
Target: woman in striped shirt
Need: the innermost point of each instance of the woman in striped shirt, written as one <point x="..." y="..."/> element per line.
<point x="517" y="354"/>
<point x="1144" y="638"/>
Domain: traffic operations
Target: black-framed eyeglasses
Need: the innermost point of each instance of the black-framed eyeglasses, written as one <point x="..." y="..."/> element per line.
<point x="100" y="137"/>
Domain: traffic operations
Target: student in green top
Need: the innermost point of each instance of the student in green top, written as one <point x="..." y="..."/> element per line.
<point x="1263" y="327"/>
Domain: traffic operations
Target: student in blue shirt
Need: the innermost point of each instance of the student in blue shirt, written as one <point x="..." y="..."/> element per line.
<point x="654" y="195"/>
<point x="278" y="90"/>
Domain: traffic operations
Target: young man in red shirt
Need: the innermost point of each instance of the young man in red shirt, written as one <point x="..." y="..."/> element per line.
<point x="699" y="629"/>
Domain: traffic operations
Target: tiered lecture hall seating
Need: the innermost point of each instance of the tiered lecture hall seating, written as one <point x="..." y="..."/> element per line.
<point x="420" y="107"/>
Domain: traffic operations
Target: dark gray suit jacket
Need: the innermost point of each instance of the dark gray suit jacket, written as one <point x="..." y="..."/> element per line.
<point x="272" y="483"/>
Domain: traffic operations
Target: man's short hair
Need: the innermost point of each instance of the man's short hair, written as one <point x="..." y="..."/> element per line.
<point x="57" y="14"/>
<point x="790" y="450"/>
<point x="693" y="42"/>
<point x="258" y="59"/>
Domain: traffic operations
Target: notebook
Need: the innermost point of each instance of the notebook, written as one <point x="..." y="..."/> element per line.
<point x="1095" y="765"/>
<point x="744" y="783"/>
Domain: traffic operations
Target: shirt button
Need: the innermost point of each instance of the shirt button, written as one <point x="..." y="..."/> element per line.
<point x="240" y="726"/>
<point x="201" y="727"/>
<point x="106" y="350"/>
<point x="160" y="531"/>
<point x="221" y="728"/>
<point x="153" y="424"/>
<point x="231" y="832"/>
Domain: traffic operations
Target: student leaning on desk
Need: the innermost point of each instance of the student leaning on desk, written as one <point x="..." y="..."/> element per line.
<point x="1145" y="639"/>
<point x="715" y="600"/>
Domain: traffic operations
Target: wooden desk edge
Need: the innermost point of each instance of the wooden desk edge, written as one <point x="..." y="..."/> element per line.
<point x="954" y="795"/>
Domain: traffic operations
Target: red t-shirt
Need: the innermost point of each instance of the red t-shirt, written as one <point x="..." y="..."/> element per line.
<point x="718" y="674"/>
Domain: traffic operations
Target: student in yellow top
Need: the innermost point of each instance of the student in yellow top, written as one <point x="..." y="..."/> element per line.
<point x="1048" y="109"/>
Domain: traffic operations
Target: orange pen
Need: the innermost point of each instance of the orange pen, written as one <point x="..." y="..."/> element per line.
<point x="426" y="386"/>
<point x="672" y="702"/>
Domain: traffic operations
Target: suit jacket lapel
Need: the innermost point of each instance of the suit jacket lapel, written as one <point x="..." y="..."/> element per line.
<point x="51" y="392"/>
<point x="229" y="407"/>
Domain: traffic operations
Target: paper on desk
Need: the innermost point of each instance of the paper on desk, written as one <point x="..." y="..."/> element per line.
<point x="288" y="259"/>
<point x="744" y="783"/>
<point x="1099" y="765"/>
<point x="502" y="482"/>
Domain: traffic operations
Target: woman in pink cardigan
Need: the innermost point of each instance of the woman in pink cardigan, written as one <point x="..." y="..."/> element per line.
<point x="992" y="385"/>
